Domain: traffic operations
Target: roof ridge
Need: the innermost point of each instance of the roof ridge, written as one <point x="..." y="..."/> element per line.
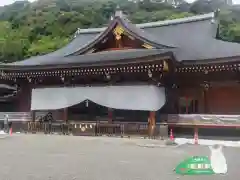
<point x="177" y="21"/>
<point x="157" y="23"/>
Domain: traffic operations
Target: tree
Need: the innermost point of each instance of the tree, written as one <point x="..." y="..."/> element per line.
<point x="46" y="44"/>
<point x="205" y="6"/>
<point x="28" y="29"/>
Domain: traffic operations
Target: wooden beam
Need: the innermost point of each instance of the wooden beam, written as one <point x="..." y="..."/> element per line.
<point x="65" y="114"/>
<point x="205" y="100"/>
<point x="33" y="115"/>
<point x="110" y="115"/>
<point x="151" y="123"/>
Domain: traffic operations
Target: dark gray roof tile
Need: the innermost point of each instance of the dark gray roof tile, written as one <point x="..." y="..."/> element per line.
<point x="104" y="56"/>
<point x="158" y="23"/>
<point x="193" y="38"/>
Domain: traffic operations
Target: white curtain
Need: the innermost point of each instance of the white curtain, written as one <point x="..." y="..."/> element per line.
<point x="141" y="97"/>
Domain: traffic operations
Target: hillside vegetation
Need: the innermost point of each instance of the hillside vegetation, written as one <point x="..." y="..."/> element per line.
<point x="29" y="29"/>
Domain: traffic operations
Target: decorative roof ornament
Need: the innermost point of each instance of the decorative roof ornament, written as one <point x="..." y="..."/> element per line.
<point x="121" y="14"/>
<point x="2" y="73"/>
<point x="147" y="46"/>
<point x="165" y="66"/>
<point x="77" y="32"/>
<point x="118" y="31"/>
<point x="118" y="12"/>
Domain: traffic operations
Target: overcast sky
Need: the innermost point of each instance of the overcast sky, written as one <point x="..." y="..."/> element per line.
<point x="5" y="2"/>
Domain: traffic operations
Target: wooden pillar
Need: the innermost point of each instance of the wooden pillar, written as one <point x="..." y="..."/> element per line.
<point x="172" y="105"/>
<point x="65" y="114"/>
<point x="205" y="101"/>
<point x="110" y="115"/>
<point x="24" y="99"/>
<point x="33" y="115"/>
<point x="151" y="122"/>
<point x="176" y="102"/>
<point x="186" y="98"/>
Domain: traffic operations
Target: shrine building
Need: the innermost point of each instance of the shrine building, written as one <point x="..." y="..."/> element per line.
<point x="173" y="71"/>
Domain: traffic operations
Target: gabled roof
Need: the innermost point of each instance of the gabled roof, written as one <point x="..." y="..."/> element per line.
<point x="156" y="32"/>
<point x="194" y="38"/>
<point x="131" y="29"/>
<point x="190" y="39"/>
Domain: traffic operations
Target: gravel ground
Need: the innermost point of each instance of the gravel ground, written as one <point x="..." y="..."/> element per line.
<point x="41" y="157"/>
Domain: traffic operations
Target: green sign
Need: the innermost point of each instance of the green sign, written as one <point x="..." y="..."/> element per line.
<point x="197" y="165"/>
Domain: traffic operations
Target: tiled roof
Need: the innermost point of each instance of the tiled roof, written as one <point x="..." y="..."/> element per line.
<point x="190" y="39"/>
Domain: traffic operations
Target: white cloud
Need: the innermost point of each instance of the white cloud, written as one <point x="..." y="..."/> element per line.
<point x="6" y="2"/>
<point x="234" y="1"/>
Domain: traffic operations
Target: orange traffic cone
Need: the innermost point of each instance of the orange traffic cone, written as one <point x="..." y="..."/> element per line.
<point x="171" y="135"/>
<point x="10" y="131"/>
<point x="196" y="136"/>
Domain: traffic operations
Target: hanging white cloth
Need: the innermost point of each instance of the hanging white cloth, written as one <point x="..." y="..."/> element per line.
<point x="218" y="160"/>
<point x="135" y="97"/>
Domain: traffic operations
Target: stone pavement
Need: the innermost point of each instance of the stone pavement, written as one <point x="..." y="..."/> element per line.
<point x="131" y="141"/>
<point x="208" y="142"/>
<point x="53" y="157"/>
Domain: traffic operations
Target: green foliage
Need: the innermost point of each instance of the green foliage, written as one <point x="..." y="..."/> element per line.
<point x="46" y="44"/>
<point x="29" y="29"/>
<point x="204" y="6"/>
<point x="13" y="43"/>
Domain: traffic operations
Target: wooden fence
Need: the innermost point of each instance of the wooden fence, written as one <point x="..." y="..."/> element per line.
<point x="16" y="116"/>
<point x="202" y="120"/>
<point x="90" y="128"/>
<point x="22" y="122"/>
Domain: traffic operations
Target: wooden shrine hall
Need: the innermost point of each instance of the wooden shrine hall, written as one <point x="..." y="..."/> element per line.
<point x="131" y="78"/>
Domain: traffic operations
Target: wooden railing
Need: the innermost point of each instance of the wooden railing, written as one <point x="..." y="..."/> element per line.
<point x="135" y="128"/>
<point x="22" y="122"/>
<point x="16" y="116"/>
<point x="40" y="114"/>
<point x="187" y="124"/>
<point x="92" y="128"/>
<point x="19" y="120"/>
<point x="208" y="120"/>
<point x="48" y="127"/>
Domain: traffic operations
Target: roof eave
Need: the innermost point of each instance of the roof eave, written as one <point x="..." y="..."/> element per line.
<point x="151" y="58"/>
<point x="232" y="59"/>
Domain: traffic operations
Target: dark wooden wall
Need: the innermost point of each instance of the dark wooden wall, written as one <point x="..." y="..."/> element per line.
<point x="23" y="100"/>
<point x="217" y="100"/>
<point x="224" y="100"/>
